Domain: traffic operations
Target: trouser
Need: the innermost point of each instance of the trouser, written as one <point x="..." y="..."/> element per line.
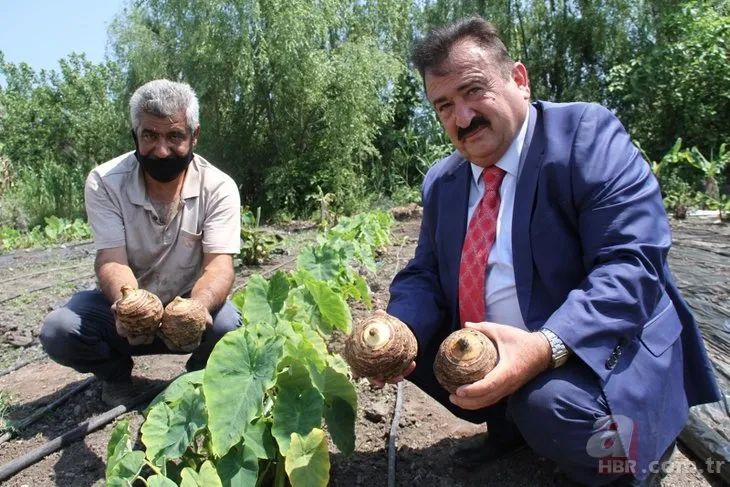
<point x="556" y="413"/>
<point x="82" y="335"/>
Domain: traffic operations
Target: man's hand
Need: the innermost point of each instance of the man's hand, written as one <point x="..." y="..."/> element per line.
<point x="133" y="340"/>
<point x="189" y="347"/>
<point x="522" y="356"/>
<point x="380" y="383"/>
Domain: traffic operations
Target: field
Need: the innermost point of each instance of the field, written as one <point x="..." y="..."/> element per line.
<point x="34" y="282"/>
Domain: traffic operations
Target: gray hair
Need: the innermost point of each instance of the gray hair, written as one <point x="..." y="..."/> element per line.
<point x="164" y="98"/>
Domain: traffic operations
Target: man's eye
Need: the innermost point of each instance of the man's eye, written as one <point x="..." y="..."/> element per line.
<point x="443" y="108"/>
<point x="176" y="137"/>
<point x="475" y="90"/>
<point x="148" y="136"/>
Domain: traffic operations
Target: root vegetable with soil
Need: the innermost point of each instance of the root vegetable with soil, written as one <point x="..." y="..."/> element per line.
<point x="139" y="311"/>
<point x="380" y="347"/>
<point x="183" y="322"/>
<point x="464" y="357"/>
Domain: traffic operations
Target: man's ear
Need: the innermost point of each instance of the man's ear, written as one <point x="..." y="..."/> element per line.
<point x="520" y="77"/>
<point x="196" y="134"/>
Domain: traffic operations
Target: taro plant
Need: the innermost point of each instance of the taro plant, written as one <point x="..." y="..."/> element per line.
<point x="256" y="243"/>
<point x="255" y="414"/>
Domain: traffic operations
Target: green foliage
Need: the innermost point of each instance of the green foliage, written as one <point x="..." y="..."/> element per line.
<point x="56" y="231"/>
<point x="255" y="414"/>
<point x="256" y="243"/>
<point x="679" y="84"/>
<point x="55" y="126"/>
<point x="292" y="92"/>
<point x="4" y="407"/>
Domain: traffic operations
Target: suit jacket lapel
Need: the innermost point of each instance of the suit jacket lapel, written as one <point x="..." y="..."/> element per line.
<point x="532" y="156"/>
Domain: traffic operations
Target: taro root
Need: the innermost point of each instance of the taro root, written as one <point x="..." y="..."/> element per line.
<point x="465" y="357"/>
<point x="139" y="311"/>
<point x="380" y="347"/>
<point x="184" y="322"/>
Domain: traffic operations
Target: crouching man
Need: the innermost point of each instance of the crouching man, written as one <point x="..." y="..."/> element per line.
<point x="163" y="219"/>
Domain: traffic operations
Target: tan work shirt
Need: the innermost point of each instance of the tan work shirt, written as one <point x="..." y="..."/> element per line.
<point x="166" y="258"/>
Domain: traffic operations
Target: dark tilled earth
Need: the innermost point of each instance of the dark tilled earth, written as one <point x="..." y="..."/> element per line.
<point x="33" y="283"/>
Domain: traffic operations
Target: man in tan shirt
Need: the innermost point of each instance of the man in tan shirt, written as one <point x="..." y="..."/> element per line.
<point x="163" y="219"/>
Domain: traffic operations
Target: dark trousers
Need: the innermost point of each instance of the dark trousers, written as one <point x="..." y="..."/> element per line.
<point x="82" y="335"/>
<point x="556" y="413"/>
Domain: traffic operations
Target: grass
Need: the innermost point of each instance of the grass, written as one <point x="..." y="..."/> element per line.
<point x="4" y="408"/>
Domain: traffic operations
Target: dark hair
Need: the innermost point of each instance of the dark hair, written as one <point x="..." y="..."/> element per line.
<point x="431" y="52"/>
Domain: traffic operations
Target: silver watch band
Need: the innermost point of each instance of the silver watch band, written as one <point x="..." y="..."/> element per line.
<point x="560" y="352"/>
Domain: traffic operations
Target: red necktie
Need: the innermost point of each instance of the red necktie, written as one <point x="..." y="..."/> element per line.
<point x="477" y="244"/>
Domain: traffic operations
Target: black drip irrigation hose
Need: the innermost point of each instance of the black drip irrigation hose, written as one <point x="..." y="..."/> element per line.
<point x="36" y="415"/>
<point x="18" y="464"/>
<point x="393" y="434"/>
<point x="20" y="365"/>
<point x="398" y="404"/>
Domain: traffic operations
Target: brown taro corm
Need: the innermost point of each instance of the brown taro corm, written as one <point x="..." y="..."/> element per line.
<point x="380" y="347"/>
<point x="184" y="322"/>
<point x="464" y="357"/>
<point x="139" y="311"/>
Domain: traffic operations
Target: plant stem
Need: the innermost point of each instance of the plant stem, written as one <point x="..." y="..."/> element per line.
<point x="154" y="468"/>
<point x="280" y="478"/>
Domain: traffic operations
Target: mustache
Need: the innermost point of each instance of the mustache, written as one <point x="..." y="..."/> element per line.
<point x="475" y="124"/>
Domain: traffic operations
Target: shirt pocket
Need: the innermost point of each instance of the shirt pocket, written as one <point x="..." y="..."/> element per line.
<point x="191" y="248"/>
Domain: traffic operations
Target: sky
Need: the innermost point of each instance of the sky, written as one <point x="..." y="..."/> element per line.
<point x="40" y="32"/>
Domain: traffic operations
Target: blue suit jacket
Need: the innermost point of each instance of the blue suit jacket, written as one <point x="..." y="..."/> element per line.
<point x="590" y="240"/>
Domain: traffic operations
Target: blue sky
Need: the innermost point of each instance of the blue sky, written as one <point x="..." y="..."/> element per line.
<point x="40" y="32"/>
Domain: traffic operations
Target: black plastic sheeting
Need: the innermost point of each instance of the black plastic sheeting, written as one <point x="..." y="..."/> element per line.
<point x="700" y="262"/>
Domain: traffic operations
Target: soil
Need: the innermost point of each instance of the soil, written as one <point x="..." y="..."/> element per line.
<point x="32" y="283"/>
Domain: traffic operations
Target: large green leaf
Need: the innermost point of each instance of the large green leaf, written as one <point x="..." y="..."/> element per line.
<point x="308" y="461"/>
<point x="239" y="467"/>
<point x="278" y="291"/>
<point x="169" y="431"/>
<point x="258" y="439"/>
<point x="239" y="371"/>
<point x="298" y="407"/>
<point x="123" y="465"/>
<point x="206" y="477"/>
<point x="323" y="263"/>
<point x="125" y="469"/>
<point x="256" y="307"/>
<point x="160" y="481"/>
<point x="179" y="387"/>
<point x="119" y="436"/>
<point x="340" y="407"/>
<point x="332" y="307"/>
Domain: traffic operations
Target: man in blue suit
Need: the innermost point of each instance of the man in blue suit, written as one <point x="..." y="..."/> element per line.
<point x="600" y="357"/>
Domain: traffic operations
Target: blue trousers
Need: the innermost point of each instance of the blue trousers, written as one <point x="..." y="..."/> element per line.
<point x="556" y="413"/>
<point x="82" y="335"/>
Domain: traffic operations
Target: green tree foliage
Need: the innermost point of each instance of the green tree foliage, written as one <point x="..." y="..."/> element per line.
<point x="54" y="127"/>
<point x="679" y="85"/>
<point x="292" y="92"/>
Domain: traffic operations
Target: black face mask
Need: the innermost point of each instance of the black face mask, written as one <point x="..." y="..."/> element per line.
<point x="162" y="170"/>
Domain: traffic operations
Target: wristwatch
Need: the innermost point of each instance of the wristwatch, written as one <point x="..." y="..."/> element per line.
<point x="560" y="352"/>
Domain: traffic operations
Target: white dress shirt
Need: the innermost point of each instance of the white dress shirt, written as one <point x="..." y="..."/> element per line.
<point x="500" y="291"/>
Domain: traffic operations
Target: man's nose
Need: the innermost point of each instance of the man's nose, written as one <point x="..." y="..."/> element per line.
<point x="464" y="115"/>
<point x="161" y="151"/>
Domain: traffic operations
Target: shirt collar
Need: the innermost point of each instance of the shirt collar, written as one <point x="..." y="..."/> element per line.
<point x="137" y="192"/>
<point x="510" y="161"/>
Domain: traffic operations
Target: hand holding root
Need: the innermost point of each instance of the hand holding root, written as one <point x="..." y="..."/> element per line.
<point x="137" y="315"/>
<point x="522" y="356"/>
<point x="183" y="324"/>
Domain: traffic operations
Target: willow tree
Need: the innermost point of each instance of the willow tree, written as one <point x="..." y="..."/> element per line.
<point x="292" y="91"/>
